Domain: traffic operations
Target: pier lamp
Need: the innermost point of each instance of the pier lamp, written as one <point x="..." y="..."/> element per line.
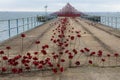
<point x="46" y="12"/>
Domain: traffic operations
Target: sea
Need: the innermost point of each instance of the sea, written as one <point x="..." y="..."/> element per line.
<point x="5" y="16"/>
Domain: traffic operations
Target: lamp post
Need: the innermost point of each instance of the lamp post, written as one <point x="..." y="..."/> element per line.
<point x="46" y="12"/>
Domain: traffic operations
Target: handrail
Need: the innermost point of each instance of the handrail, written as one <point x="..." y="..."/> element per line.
<point x="19" y="25"/>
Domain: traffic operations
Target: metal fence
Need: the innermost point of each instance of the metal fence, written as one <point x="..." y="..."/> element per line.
<point x="12" y="27"/>
<point x="111" y="21"/>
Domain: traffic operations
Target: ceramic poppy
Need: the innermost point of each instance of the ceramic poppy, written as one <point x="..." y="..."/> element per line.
<point x="90" y="62"/>
<point x="23" y="35"/>
<point x="37" y="42"/>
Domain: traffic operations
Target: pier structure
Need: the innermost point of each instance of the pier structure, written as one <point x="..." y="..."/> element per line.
<point x="68" y="47"/>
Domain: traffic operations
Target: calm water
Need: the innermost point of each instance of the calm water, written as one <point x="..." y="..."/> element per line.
<point x="14" y="15"/>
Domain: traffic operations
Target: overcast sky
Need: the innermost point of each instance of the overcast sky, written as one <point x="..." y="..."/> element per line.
<point x="55" y="5"/>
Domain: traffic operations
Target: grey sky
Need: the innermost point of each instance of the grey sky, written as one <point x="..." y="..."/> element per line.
<point x="55" y="5"/>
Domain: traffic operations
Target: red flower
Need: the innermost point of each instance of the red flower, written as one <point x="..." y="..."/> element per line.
<point x="23" y="35"/>
<point x="44" y="52"/>
<point x="28" y="54"/>
<point x="4" y="69"/>
<point x="77" y="63"/>
<point x="103" y="60"/>
<point x="54" y="70"/>
<point x="5" y="58"/>
<point x="8" y="47"/>
<point x="70" y="57"/>
<point x="60" y="53"/>
<point x="108" y="55"/>
<point x="61" y="69"/>
<point x="100" y="53"/>
<point x="40" y="67"/>
<point x="92" y="53"/>
<point x="72" y="37"/>
<point x="14" y="70"/>
<point x="78" y="35"/>
<point x="116" y="54"/>
<point x="66" y="51"/>
<point x="86" y="49"/>
<point x="62" y="60"/>
<point x="37" y="42"/>
<point x="75" y="51"/>
<point x="20" y="70"/>
<point x="90" y="62"/>
<point x="35" y="53"/>
<point x="35" y="58"/>
<point x="82" y="51"/>
<point x="58" y="65"/>
<point x="1" y="52"/>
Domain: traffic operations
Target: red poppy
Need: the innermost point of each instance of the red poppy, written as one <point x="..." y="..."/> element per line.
<point x="86" y="49"/>
<point x="77" y="63"/>
<point x="78" y="35"/>
<point x="54" y="70"/>
<point x="90" y="62"/>
<point x="82" y="51"/>
<point x="100" y="53"/>
<point x="23" y="35"/>
<point x="62" y="60"/>
<point x="46" y="46"/>
<point x="72" y="37"/>
<point x="103" y="60"/>
<point x="44" y="52"/>
<point x="108" y="55"/>
<point x="116" y="54"/>
<point x="8" y="47"/>
<point x="1" y="52"/>
<point x="5" y="58"/>
<point x="92" y="53"/>
<point x="35" y="58"/>
<point x="60" y="53"/>
<point x="75" y="51"/>
<point x="70" y="57"/>
<point x="61" y="69"/>
<point x="35" y="53"/>
<point x="66" y="45"/>
<point x="40" y="67"/>
<point x="14" y="70"/>
<point x="37" y="42"/>
<point x="20" y="70"/>
<point x="4" y="69"/>
<point x="28" y="54"/>
<point x="66" y="51"/>
<point x="58" y="65"/>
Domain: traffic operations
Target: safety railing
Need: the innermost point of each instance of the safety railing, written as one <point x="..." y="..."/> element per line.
<point x="12" y="27"/>
<point x="111" y="21"/>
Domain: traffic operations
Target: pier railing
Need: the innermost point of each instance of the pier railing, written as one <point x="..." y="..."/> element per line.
<point x="12" y="27"/>
<point x="111" y="21"/>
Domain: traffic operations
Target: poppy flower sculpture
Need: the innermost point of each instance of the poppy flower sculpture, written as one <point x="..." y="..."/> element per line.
<point x="116" y="55"/>
<point x="22" y="37"/>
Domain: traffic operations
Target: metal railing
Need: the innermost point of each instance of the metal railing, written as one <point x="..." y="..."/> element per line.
<point x="111" y="21"/>
<point x="12" y="27"/>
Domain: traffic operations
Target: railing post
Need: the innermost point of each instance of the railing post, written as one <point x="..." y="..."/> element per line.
<point x="9" y="28"/>
<point x="116" y="22"/>
<point x="23" y="25"/>
<point x="27" y="23"/>
<point x="17" y="26"/>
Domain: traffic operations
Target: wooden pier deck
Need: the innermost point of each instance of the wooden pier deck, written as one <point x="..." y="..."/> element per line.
<point x="93" y="35"/>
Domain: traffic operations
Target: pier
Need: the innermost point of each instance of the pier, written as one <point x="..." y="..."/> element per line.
<point x="68" y="47"/>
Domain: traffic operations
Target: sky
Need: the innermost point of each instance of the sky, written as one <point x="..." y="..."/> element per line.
<point x="55" y="5"/>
